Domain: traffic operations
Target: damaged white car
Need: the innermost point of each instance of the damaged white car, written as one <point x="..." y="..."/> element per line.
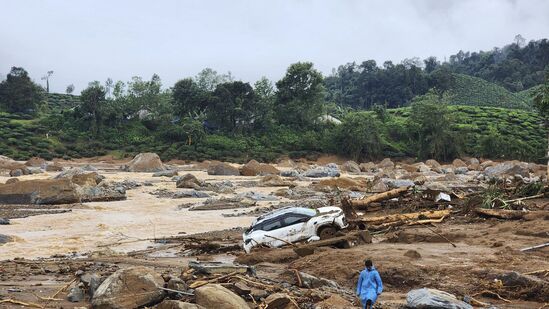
<point x="293" y="224"/>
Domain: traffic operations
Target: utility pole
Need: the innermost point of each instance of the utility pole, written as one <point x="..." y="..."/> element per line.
<point x="47" y="79"/>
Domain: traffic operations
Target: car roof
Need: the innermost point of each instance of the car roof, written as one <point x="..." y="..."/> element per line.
<point x="285" y="210"/>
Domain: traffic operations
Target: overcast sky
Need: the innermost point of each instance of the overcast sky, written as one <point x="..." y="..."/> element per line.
<point x="82" y="41"/>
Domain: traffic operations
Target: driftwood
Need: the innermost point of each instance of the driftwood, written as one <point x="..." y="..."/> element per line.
<point x="501" y="213"/>
<point x="435" y="214"/>
<point x="363" y="203"/>
<point x="21" y="303"/>
<point x="535" y="247"/>
<point x="541" y="271"/>
<point x="487" y="292"/>
<point x="200" y="283"/>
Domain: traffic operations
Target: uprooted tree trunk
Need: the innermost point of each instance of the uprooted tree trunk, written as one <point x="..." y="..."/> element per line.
<point x="363" y="203"/>
<point x="436" y="214"/>
<point x="501" y="213"/>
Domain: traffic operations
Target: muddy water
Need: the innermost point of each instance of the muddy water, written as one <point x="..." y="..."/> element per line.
<point x="96" y="226"/>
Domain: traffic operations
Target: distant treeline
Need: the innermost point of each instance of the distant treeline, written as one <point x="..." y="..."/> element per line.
<point x="213" y="116"/>
<point x="516" y="67"/>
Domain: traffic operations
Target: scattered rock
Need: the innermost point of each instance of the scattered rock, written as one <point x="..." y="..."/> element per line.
<point x="397" y="183"/>
<point x="434" y="299"/>
<point x="379" y="186"/>
<point x="254" y="168"/>
<point x="413" y="254"/>
<point x="458" y="163"/>
<point x="274" y="181"/>
<point x="486" y="164"/>
<point x="9" y="164"/>
<point x="129" y="288"/>
<point x="216" y="296"/>
<point x="289" y="173"/>
<point x="462" y="170"/>
<point x="279" y="301"/>
<point x="12" y="180"/>
<point x="330" y="170"/>
<point x="89" y="179"/>
<point x="166" y="173"/>
<point x="434" y="165"/>
<point x="312" y="282"/>
<point x="145" y="162"/>
<point x="39" y="191"/>
<point x="75" y="295"/>
<point x="386" y="164"/>
<point x="176" y="304"/>
<point x="351" y="167"/>
<point x="189" y="181"/>
<point x="105" y="191"/>
<point x="5" y="239"/>
<point x="91" y="281"/>
<point x="368" y="167"/>
<point x="4" y="221"/>
<point x="507" y="169"/>
<point x="20" y="172"/>
<point x="89" y="168"/>
<point x="223" y="169"/>
<point x="54" y="167"/>
<point x="472" y="161"/>
<point x="36" y="162"/>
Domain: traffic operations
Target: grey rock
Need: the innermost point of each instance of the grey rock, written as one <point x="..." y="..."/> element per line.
<point x="330" y="170"/>
<point x="4" y="239"/>
<point x="223" y="169"/>
<point x="397" y="183"/>
<point x="434" y="299"/>
<point x="75" y="295"/>
<point x="258" y="196"/>
<point x="289" y="173"/>
<point x="351" y="167"/>
<point x="166" y="173"/>
<point x="461" y="170"/>
<point x="89" y="168"/>
<point x="190" y="193"/>
<point x="91" y="281"/>
<point x="4" y="221"/>
<point x="507" y="169"/>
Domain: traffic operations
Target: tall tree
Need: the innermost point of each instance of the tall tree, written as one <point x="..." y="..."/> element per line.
<point x="300" y="96"/>
<point x="188" y="98"/>
<point x="541" y="102"/>
<point x="18" y="93"/>
<point x="265" y="95"/>
<point x="93" y="101"/>
<point x="430" y="125"/>
<point x="47" y="79"/>
<point x="233" y="108"/>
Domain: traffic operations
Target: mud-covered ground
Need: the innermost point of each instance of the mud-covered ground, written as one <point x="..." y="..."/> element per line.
<point x="50" y="244"/>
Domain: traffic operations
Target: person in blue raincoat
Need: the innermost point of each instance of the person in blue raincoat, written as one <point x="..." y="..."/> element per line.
<point x="369" y="285"/>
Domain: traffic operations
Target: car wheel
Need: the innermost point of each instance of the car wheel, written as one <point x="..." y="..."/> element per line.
<point x="326" y="232"/>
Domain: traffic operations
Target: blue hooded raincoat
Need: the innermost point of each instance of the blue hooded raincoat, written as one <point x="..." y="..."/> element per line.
<point x="369" y="286"/>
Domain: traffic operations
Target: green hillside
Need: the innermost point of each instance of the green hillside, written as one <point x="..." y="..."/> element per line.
<point x="59" y="101"/>
<point x="469" y="90"/>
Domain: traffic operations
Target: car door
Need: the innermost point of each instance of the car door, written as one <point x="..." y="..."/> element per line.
<point x="291" y="229"/>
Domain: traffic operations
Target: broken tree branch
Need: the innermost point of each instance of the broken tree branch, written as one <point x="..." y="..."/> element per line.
<point x="440" y="235"/>
<point x="21" y="303"/>
<point x="200" y="283"/>
<point x="541" y="271"/>
<point x="493" y="294"/>
<point x="176" y="291"/>
<point x="525" y="198"/>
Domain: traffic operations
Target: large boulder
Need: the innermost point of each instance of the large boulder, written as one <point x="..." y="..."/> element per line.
<point x="166" y="173"/>
<point x="188" y="181"/>
<point x="54" y="167"/>
<point x="39" y="191"/>
<point x="222" y="168"/>
<point x="176" y="304"/>
<point x="103" y="192"/>
<point x="274" y="181"/>
<point x="129" y="288"/>
<point x="218" y="297"/>
<point x="145" y="162"/>
<point x="434" y="299"/>
<point x="330" y="170"/>
<point x="507" y="169"/>
<point x="459" y="163"/>
<point x="254" y="168"/>
<point x="368" y="167"/>
<point x="386" y="164"/>
<point x="351" y="167"/>
<point x="434" y="165"/>
<point x="23" y="170"/>
<point x="8" y="164"/>
<point x="87" y="179"/>
<point x="280" y="301"/>
<point x="36" y="162"/>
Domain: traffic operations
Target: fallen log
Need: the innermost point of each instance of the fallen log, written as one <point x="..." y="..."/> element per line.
<point x="501" y="213"/>
<point x="423" y="215"/>
<point x="363" y="203"/>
